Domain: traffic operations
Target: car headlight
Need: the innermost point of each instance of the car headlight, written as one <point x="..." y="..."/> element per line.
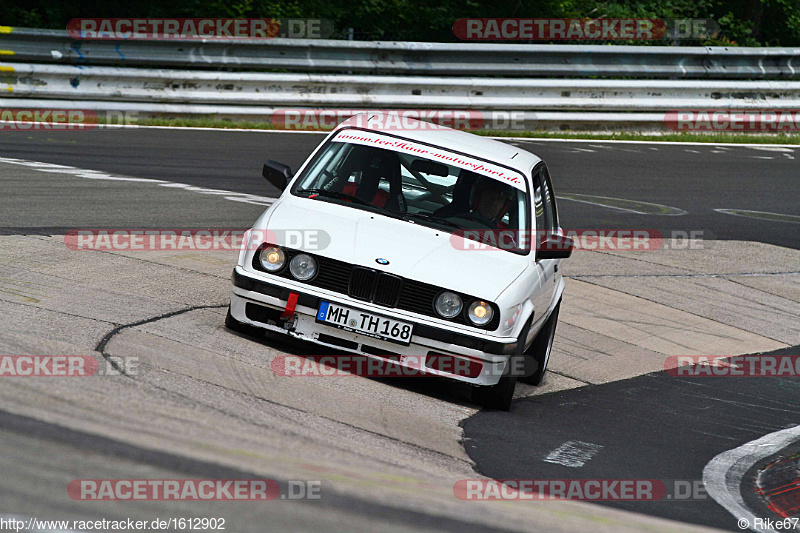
<point x="480" y="313"/>
<point x="448" y="304"/>
<point x="303" y="267"/>
<point x="272" y="258"/>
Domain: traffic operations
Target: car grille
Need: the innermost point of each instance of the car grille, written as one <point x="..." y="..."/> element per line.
<point x="373" y="286"/>
<point x="362" y="283"/>
<point x="380" y="288"/>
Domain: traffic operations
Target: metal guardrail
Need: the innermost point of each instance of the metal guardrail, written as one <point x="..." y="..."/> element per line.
<point x="386" y="92"/>
<point x="45" y="69"/>
<point x="408" y="58"/>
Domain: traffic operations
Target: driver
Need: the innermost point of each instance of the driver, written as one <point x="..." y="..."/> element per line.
<point x="492" y="199"/>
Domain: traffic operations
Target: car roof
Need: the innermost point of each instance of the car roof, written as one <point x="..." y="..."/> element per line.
<point x="459" y="141"/>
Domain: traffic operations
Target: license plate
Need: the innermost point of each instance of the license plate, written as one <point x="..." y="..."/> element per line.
<point x="369" y="324"/>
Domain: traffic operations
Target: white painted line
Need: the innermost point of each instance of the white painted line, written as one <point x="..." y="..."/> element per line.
<point x="668" y="143"/>
<point x="601" y="201"/>
<point x="99" y="175"/>
<point x="723" y="476"/>
<point x="768" y="148"/>
<point x="573" y="453"/>
<point x="190" y="128"/>
<point x="761" y="215"/>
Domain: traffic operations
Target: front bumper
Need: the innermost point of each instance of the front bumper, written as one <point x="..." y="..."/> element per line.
<point x="261" y="303"/>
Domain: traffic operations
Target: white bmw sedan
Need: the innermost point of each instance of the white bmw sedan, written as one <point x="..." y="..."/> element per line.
<point x="433" y="248"/>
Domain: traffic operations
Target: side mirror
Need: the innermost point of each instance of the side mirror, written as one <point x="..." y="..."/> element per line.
<point x="277" y="174"/>
<point x="554" y="246"/>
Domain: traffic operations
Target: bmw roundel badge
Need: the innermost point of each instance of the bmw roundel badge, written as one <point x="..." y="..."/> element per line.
<point x="382" y="261"/>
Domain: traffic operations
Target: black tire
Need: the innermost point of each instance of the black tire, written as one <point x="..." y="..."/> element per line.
<point x="245" y="329"/>
<point x="500" y="396"/>
<point x="538" y="355"/>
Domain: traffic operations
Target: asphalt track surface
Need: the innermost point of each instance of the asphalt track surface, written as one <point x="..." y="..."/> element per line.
<point x="695" y="179"/>
<point x="652" y="427"/>
<point x="655" y="426"/>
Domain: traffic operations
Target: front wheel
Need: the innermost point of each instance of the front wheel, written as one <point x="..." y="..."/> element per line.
<point x="538" y="355"/>
<point x="498" y="396"/>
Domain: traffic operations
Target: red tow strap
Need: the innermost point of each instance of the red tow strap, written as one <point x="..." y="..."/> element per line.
<point x="290" y="305"/>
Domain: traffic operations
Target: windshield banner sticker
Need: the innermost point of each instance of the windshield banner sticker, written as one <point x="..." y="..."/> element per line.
<point x="429" y="152"/>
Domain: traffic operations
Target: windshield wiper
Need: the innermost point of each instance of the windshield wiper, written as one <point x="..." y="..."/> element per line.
<point x="431" y="218"/>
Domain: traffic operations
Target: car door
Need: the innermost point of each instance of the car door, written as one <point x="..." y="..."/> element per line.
<point x="546" y="220"/>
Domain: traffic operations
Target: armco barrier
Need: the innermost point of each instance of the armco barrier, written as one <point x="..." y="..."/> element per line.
<point x="545" y="85"/>
<point x="43" y="81"/>
<point x="409" y="58"/>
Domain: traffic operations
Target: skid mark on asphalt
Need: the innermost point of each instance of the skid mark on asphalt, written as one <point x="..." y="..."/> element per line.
<point x="97" y="175"/>
<point x="573" y="453"/>
<point x="27" y="291"/>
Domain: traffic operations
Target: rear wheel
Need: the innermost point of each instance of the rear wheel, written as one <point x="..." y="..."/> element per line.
<point x="538" y="355"/>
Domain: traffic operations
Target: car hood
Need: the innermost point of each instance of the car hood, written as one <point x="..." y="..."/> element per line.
<point x="412" y="250"/>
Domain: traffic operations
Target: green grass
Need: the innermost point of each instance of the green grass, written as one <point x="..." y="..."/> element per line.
<point x="712" y="138"/>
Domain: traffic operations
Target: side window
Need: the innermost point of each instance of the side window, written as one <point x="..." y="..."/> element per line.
<point x="543" y="203"/>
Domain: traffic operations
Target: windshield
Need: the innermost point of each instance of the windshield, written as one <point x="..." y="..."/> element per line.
<point x="416" y="189"/>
